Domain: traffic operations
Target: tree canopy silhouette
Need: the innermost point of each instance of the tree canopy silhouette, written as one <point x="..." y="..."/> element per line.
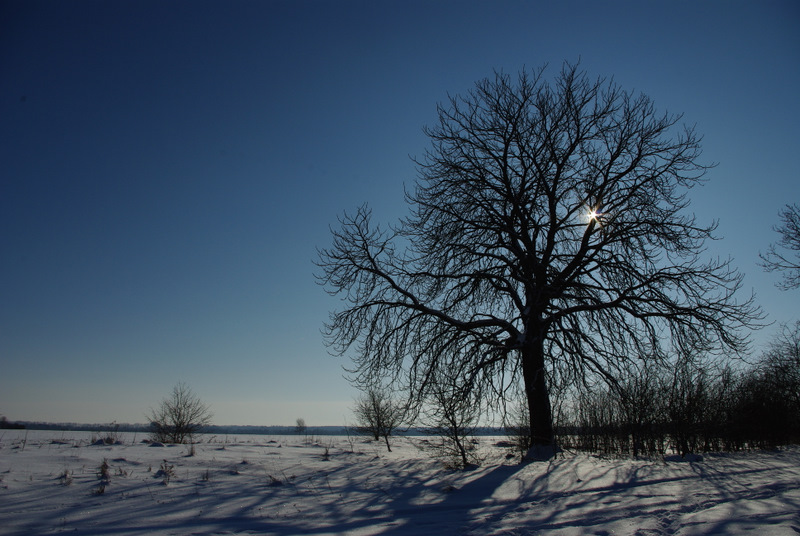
<point x="548" y="235"/>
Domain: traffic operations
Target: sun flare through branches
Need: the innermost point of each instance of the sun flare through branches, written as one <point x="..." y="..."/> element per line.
<point x="592" y="215"/>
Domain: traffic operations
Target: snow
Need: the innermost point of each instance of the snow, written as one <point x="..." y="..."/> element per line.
<point x="284" y="485"/>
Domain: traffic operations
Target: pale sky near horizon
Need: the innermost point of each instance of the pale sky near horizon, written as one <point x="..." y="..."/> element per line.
<point x="168" y="169"/>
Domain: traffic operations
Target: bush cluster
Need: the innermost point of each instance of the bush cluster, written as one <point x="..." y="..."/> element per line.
<point x="691" y="408"/>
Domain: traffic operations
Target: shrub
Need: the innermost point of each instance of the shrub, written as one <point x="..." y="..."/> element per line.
<point x="179" y="417"/>
<point x="377" y="415"/>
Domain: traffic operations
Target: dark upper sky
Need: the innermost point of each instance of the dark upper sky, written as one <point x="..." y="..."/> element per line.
<point x="168" y="169"/>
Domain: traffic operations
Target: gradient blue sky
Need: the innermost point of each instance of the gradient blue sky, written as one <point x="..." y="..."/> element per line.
<point x="168" y="169"/>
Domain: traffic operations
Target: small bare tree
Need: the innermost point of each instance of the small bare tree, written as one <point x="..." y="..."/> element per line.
<point x="452" y="414"/>
<point x="179" y="417"/>
<point x="300" y="426"/>
<point x="775" y="259"/>
<point x="378" y="415"/>
<point x="517" y="425"/>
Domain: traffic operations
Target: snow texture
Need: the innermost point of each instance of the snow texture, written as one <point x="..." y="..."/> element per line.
<point x="51" y="483"/>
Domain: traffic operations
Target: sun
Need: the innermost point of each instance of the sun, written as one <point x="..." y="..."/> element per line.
<point x="593" y="214"/>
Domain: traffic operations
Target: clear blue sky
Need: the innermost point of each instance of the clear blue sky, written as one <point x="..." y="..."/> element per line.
<point x="168" y="169"/>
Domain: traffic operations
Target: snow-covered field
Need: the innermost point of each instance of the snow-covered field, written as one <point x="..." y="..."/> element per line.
<point x="50" y="484"/>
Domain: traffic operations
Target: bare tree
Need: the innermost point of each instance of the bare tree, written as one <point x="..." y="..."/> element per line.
<point x="452" y="417"/>
<point x="179" y="417"/>
<point x="300" y="427"/>
<point x="776" y="258"/>
<point x="517" y="426"/>
<point x="547" y="232"/>
<point x="378" y="415"/>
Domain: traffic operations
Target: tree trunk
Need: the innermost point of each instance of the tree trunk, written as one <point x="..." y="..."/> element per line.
<point x="461" y="450"/>
<point x="541" y="421"/>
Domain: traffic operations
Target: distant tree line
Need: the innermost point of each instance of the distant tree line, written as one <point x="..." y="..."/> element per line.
<point x="5" y="424"/>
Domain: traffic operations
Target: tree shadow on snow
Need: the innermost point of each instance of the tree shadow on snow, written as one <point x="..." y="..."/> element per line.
<point x="588" y="496"/>
<point x="370" y="495"/>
